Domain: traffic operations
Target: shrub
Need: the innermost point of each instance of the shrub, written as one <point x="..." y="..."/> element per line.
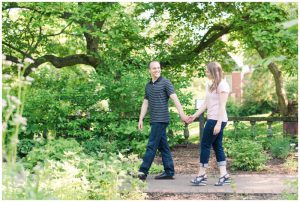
<point x="291" y="164"/>
<point x="280" y="147"/>
<point x="232" y="108"/>
<point x="53" y="150"/>
<point x="156" y="168"/>
<point x="247" y="155"/>
<point x="93" y="146"/>
<point x="24" y="146"/>
<point x="59" y="101"/>
<point x="78" y="177"/>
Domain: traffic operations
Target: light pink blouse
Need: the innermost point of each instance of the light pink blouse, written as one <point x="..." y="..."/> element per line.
<point x="213" y="101"/>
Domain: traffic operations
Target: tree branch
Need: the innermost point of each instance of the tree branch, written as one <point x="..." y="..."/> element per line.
<point x="10" y="5"/>
<point x="60" y="62"/>
<point x="207" y="40"/>
<point x="204" y="43"/>
<point x="48" y="35"/>
<point x="12" y="59"/>
<point x="16" y="49"/>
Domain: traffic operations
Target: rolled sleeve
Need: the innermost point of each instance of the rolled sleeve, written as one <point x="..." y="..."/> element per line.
<point x="223" y="87"/>
<point x="146" y="94"/>
<point x="169" y="88"/>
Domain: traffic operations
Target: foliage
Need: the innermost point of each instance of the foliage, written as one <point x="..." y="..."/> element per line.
<point x="290" y="185"/>
<point x="233" y="108"/>
<point x="68" y="103"/>
<point x="247" y="155"/>
<point x="155" y="168"/>
<point x="292" y="88"/>
<point x="59" y="103"/>
<point x="259" y="96"/>
<point x="13" y="97"/>
<point x="94" y="146"/>
<point x="291" y="163"/>
<point x="112" y="181"/>
<point x="280" y="147"/>
<point x="53" y="150"/>
<point x="24" y="146"/>
<point x="77" y="177"/>
<point x="97" y="50"/>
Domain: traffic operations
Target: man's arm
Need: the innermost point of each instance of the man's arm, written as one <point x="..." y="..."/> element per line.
<point x="144" y="109"/>
<point x="178" y="107"/>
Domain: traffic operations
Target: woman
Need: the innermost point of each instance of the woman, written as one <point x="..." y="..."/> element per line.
<point x="215" y="103"/>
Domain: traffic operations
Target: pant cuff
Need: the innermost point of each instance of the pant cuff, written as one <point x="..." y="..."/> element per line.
<point x="221" y="163"/>
<point x="205" y="165"/>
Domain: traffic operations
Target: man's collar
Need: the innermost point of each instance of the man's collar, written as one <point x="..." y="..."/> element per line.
<point x="157" y="80"/>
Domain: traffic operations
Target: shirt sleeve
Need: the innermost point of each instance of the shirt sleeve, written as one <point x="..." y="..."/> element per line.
<point x="169" y="88"/>
<point x="146" y="94"/>
<point x="223" y="87"/>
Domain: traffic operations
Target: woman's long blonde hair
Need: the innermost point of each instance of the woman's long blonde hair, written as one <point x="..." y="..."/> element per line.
<point x="215" y="70"/>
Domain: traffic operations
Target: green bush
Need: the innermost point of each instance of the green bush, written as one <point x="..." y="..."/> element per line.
<point x="258" y="95"/>
<point x="280" y="147"/>
<point x="247" y="155"/>
<point x="24" y="146"/>
<point x="156" y="168"/>
<point x="93" y="146"/>
<point x="59" y="102"/>
<point x="78" y="177"/>
<point x="53" y="150"/>
<point x="232" y="108"/>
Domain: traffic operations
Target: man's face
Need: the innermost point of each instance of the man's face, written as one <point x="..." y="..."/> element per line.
<point x="154" y="69"/>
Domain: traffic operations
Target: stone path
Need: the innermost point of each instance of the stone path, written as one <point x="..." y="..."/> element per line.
<point x="241" y="184"/>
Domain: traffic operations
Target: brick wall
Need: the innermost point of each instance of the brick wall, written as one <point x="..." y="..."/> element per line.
<point x="236" y="86"/>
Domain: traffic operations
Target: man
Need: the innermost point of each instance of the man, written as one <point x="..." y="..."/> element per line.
<point x="157" y="93"/>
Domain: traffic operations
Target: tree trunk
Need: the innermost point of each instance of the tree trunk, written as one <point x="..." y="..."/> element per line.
<point x="280" y="91"/>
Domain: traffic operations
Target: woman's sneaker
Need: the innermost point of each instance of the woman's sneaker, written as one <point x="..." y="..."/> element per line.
<point x="223" y="180"/>
<point x="200" y="180"/>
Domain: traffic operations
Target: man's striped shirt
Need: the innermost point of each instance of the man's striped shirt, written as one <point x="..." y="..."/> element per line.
<point x="158" y="94"/>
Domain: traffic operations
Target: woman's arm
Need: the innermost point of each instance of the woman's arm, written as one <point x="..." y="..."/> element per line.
<point x="223" y="96"/>
<point x="201" y="109"/>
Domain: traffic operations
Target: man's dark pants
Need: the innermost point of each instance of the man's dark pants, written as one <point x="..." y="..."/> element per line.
<point x="158" y="140"/>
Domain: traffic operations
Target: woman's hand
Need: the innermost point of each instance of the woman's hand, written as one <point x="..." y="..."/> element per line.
<point x="190" y="119"/>
<point x="217" y="129"/>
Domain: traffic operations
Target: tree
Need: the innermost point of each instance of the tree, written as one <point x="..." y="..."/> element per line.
<point x="67" y="34"/>
<point x="115" y="38"/>
<point x="257" y="26"/>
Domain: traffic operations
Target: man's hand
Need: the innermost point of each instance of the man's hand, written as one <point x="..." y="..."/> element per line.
<point x="190" y="119"/>
<point x="140" y="125"/>
<point x="184" y="118"/>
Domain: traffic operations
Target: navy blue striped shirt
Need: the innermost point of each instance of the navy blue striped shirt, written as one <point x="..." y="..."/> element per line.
<point x="158" y="94"/>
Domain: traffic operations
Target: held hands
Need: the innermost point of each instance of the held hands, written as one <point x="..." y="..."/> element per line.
<point x="191" y="119"/>
<point x="187" y="119"/>
<point x="184" y="118"/>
